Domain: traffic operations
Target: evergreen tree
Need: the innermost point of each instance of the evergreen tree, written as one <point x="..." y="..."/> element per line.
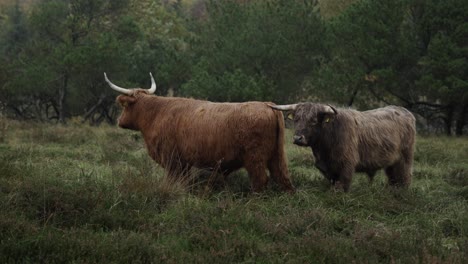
<point x="443" y="66"/>
<point x="365" y="43"/>
<point x="256" y="50"/>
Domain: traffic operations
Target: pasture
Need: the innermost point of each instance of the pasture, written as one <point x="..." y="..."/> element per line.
<point x="77" y="193"/>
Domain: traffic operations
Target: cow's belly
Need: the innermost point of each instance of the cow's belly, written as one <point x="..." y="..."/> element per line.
<point x="376" y="163"/>
<point x="214" y="161"/>
<point x="379" y="154"/>
<point x="230" y="166"/>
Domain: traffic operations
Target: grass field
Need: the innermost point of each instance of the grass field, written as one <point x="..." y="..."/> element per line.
<point x="84" y="194"/>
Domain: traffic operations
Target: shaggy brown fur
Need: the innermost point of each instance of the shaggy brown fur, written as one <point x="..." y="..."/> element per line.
<point x="180" y="133"/>
<point x="351" y="141"/>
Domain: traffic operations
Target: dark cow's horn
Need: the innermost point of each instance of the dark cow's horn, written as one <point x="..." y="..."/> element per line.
<point x="290" y="107"/>
<point x="331" y="110"/>
<point x="117" y="88"/>
<point x="153" y="85"/>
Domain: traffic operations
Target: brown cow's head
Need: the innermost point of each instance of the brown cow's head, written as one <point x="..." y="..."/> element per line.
<point x="309" y="119"/>
<point x="128" y="99"/>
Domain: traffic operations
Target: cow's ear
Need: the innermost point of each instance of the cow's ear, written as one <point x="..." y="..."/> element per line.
<point x="325" y="117"/>
<point x="290" y="115"/>
<point x="125" y="101"/>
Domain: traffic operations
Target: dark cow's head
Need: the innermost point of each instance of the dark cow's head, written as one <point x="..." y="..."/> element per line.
<point x="309" y="119"/>
<point x="128" y="101"/>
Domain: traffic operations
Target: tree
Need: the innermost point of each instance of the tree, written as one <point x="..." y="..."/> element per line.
<point x="331" y="8"/>
<point x="164" y="46"/>
<point x="67" y="44"/>
<point x="365" y="53"/>
<point x="13" y="39"/>
<point x="55" y="69"/>
<point x="255" y="50"/>
<point x="443" y="66"/>
<point x="411" y="53"/>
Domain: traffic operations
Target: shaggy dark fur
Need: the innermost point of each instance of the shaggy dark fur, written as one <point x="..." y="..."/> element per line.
<point x="349" y="141"/>
<point x="180" y="133"/>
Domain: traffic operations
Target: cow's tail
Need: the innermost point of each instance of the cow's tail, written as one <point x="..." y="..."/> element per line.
<point x="278" y="164"/>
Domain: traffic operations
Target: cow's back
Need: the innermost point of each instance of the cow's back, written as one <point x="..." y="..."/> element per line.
<point x="203" y="133"/>
<point x="382" y="135"/>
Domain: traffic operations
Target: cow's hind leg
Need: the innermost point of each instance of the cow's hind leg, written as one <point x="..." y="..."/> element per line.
<point x="345" y="177"/>
<point x="371" y="175"/>
<point x="399" y="174"/>
<point x="257" y="174"/>
<point x="279" y="173"/>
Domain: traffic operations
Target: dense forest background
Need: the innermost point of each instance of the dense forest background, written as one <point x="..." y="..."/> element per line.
<point x="359" y="53"/>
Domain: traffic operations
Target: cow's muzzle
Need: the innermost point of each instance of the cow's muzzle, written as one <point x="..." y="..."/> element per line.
<point x="300" y="140"/>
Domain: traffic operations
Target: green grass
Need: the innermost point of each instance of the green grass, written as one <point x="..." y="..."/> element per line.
<point x="84" y="194"/>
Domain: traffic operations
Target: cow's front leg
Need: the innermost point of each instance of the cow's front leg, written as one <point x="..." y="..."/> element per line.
<point x="323" y="168"/>
<point x="320" y="165"/>
<point x="345" y="177"/>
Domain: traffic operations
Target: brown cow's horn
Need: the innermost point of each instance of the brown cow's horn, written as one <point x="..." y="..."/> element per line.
<point x="117" y="88"/>
<point x="153" y="85"/>
<point x="290" y="107"/>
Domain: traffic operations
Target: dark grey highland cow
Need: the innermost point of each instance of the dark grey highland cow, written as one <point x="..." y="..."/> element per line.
<point x="345" y="141"/>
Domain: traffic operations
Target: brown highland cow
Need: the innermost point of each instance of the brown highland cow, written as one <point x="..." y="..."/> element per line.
<point x="180" y="133"/>
<point x="345" y="141"/>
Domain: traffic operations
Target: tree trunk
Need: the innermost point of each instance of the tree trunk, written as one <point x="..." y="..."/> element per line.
<point x="449" y="121"/>
<point x="55" y="115"/>
<point x="61" y="100"/>
<point x="91" y="111"/>
<point x="461" y="121"/>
